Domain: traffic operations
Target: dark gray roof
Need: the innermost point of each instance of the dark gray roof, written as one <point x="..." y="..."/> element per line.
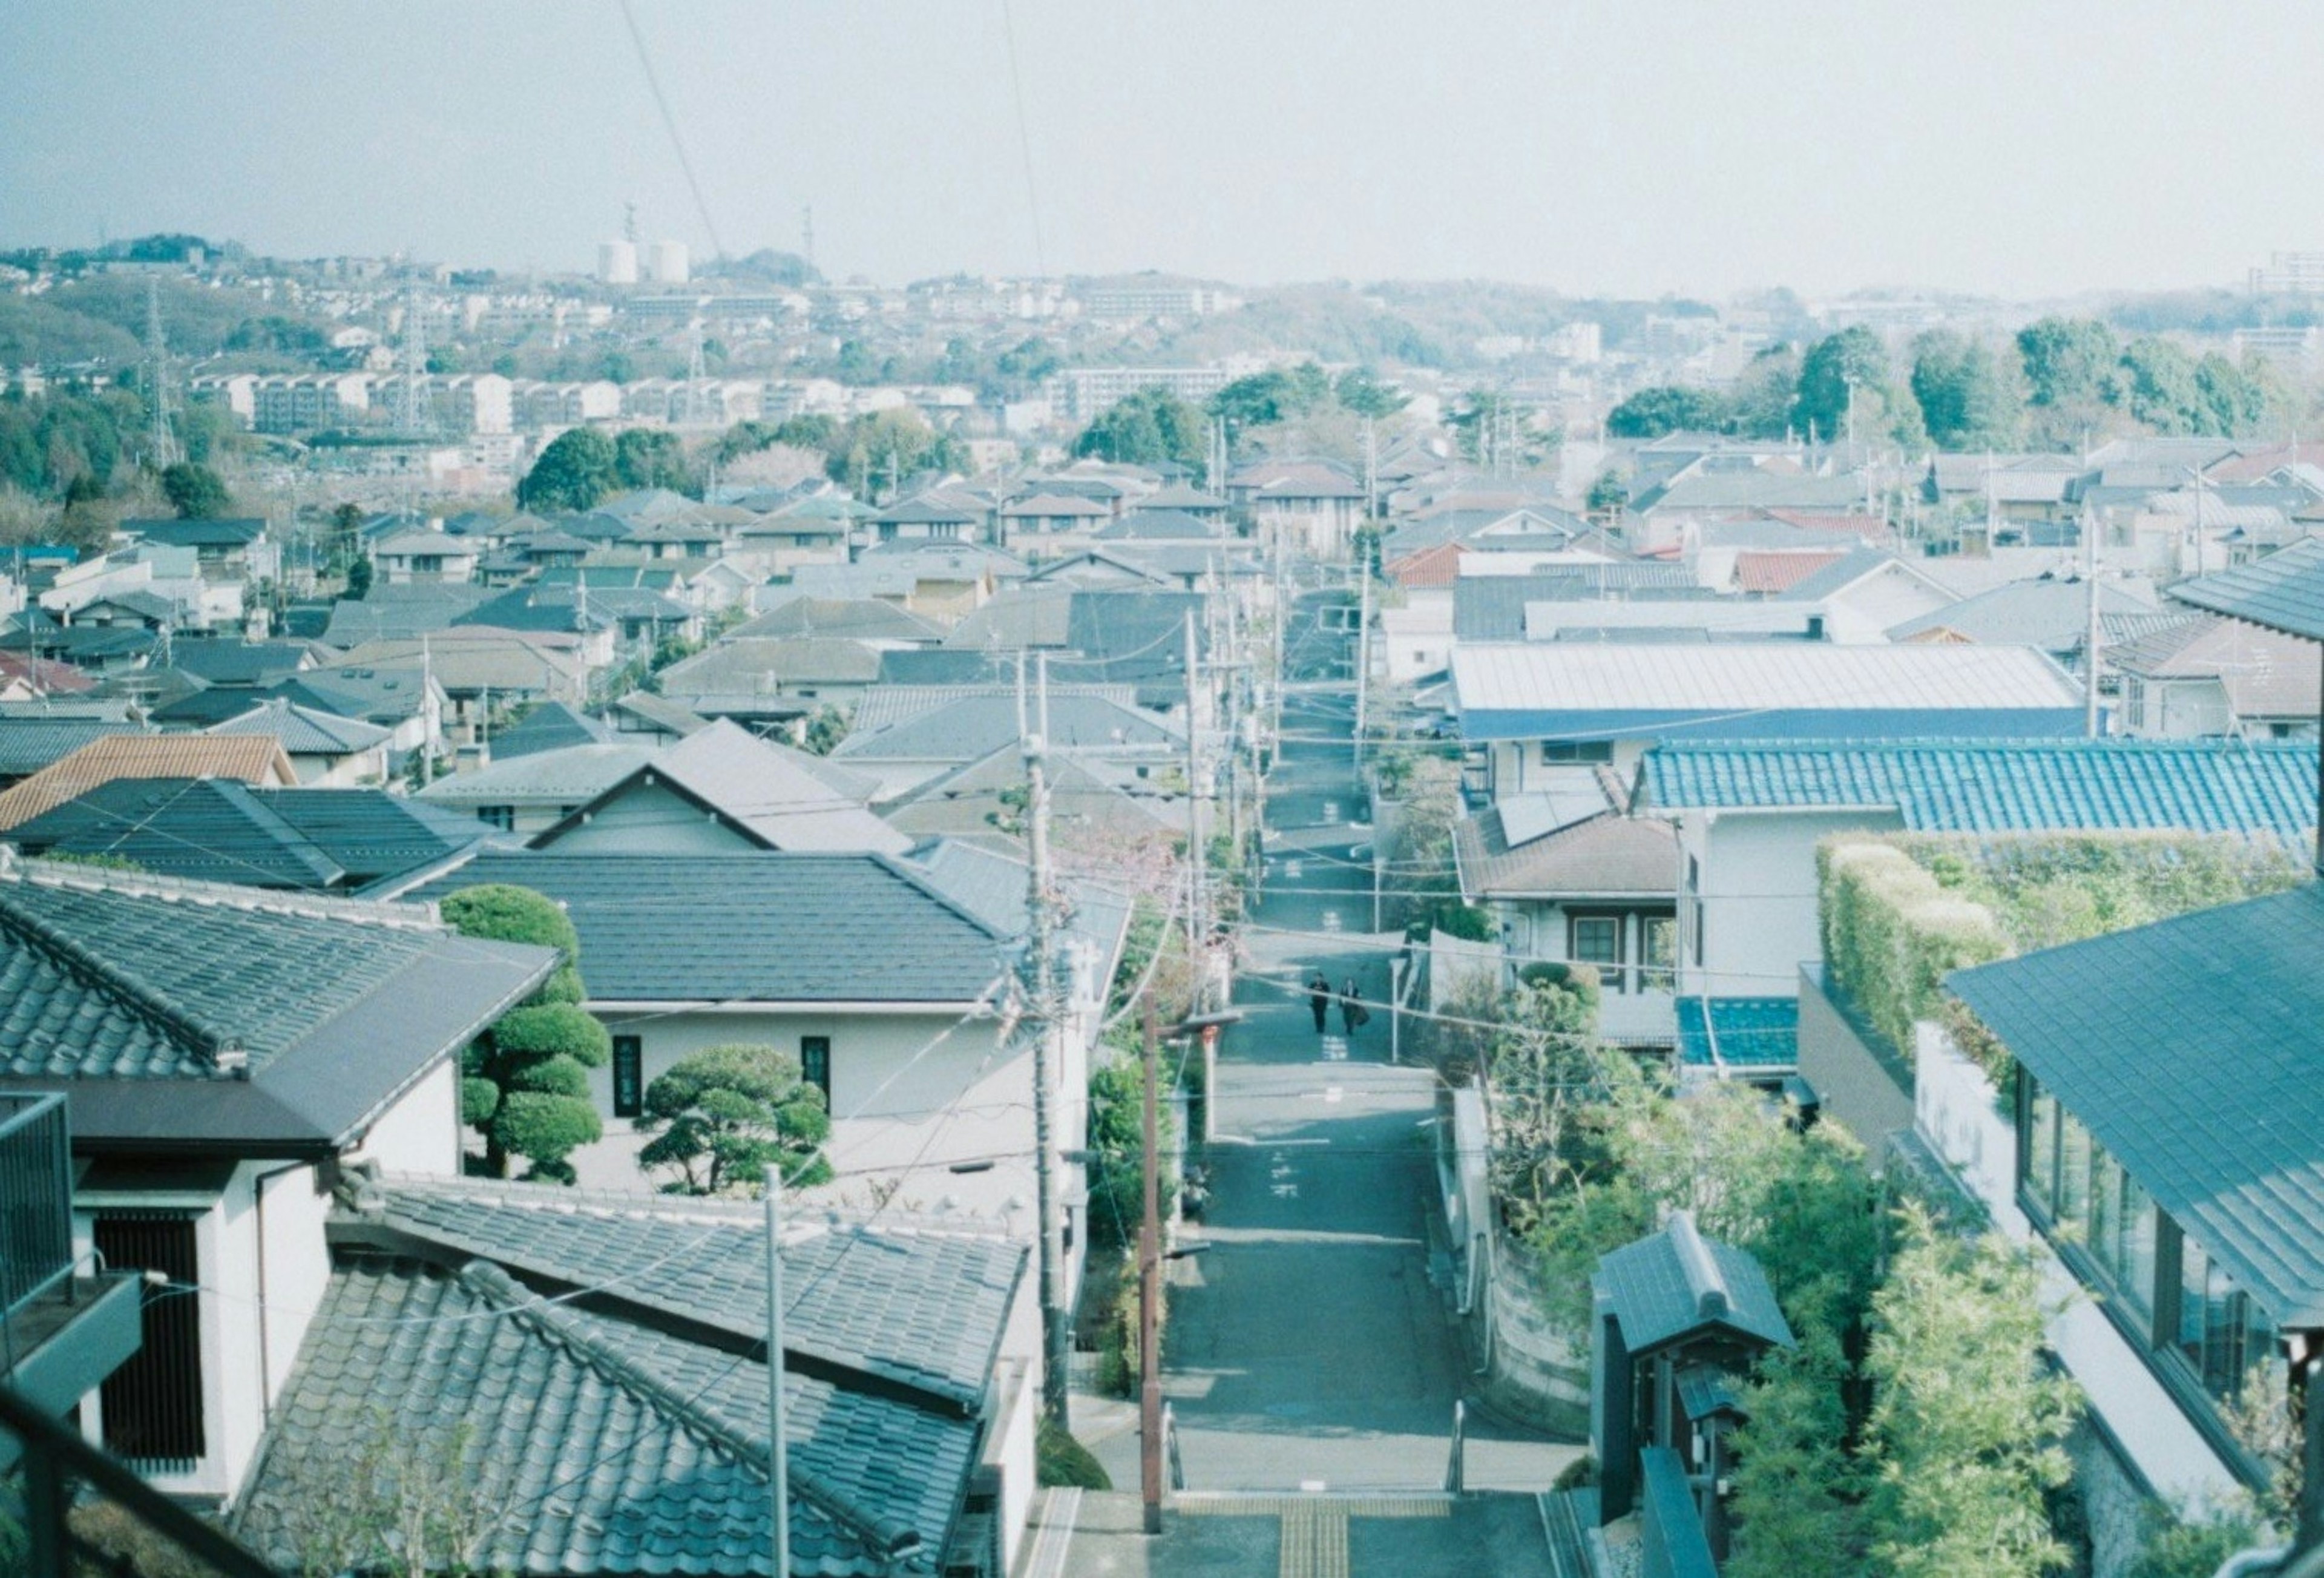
<point x="304" y="731"/>
<point x="131" y="993"/>
<point x="218" y="532"/>
<point x="2284" y="591"/>
<point x="755" y="928"/>
<point x="551" y="727"/>
<point x="975" y="727"/>
<point x="1492" y="607"/>
<point x="1678" y="1284"/>
<point x="2199" y="1079"/>
<point x="27" y="744"/>
<point x="389" y="613"/>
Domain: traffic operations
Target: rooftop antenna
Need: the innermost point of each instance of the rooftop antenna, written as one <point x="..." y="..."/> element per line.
<point x="411" y="412"/>
<point x="157" y="378"/>
<point x="630" y="222"/>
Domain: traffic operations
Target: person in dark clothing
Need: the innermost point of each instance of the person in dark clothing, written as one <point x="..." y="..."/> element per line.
<point x="1319" y="999"/>
<point x="1351" y="1008"/>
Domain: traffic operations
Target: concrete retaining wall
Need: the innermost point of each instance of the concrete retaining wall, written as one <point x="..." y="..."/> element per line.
<point x="1864" y="1084"/>
<point x="1535" y="1373"/>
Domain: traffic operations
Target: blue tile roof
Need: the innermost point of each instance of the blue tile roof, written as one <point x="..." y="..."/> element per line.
<point x="1741" y="1032"/>
<point x="1954" y="786"/>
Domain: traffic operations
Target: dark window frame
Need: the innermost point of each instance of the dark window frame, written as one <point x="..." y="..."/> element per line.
<point x="815" y="1065"/>
<point x="631" y="1103"/>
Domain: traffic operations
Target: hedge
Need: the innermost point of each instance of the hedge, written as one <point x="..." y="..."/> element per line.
<point x="1892" y="932"/>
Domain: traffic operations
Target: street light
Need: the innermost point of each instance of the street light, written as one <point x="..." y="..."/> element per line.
<point x="1149" y="1256"/>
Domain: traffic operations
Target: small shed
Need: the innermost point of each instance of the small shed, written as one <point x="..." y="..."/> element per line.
<point x="1676" y="1316"/>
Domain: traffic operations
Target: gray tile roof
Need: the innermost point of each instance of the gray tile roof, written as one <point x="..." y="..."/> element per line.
<point x="766" y="663"/>
<point x="27" y="744"/>
<point x="303" y="730"/>
<point x="2050" y="614"/>
<point x="2284" y="591"/>
<point x="551" y="727"/>
<point x="1493" y="607"/>
<point x="972" y="728"/>
<point x="569" y="776"/>
<point x="134" y="991"/>
<point x="854" y="618"/>
<point x="755" y="928"/>
<point x="2189" y="1049"/>
<point x="1677" y="1284"/>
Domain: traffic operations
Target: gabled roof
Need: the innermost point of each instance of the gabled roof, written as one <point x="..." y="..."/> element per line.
<point x="1603" y="854"/>
<point x="1678" y="1284"/>
<point x="1761" y="573"/>
<point x="1772" y="690"/>
<point x="551" y="727"/>
<point x="889" y="1355"/>
<point x="249" y="758"/>
<point x="664" y="714"/>
<point x="27" y="744"/>
<point x="569" y="775"/>
<point x="853" y="618"/>
<point x="892" y="703"/>
<point x="2266" y="673"/>
<point x="303" y="730"/>
<point x="2187" y="1047"/>
<point x="2284" y="591"/>
<point x="991" y="886"/>
<point x="1164" y="526"/>
<point x="392" y="612"/>
<point x="221" y="532"/>
<point x="755" y="928"/>
<point x="1044" y="505"/>
<point x="2051" y="613"/>
<point x="241" y="662"/>
<point x="766" y="794"/>
<point x="972" y="728"/>
<point x="1491" y="608"/>
<point x="748" y="664"/>
<point x="1854" y="566"/>
<point x="2014" y="786"/>
<point x="138" y="994"/>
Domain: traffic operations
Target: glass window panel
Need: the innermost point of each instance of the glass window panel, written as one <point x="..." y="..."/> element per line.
<point x="2104" y="1234"/>
<point x="2194" y="1277"/>
<point x="2073" y="1171"/>
<point x="2137" y="1275"/>
<point x="1658" y="950"/>
<point x="1597" y="939"/>
<point x="2223" y="1314"/>
<point x="2040" y="1148"/>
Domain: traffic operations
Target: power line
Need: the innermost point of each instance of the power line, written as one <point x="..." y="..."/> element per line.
<point x="670" y="124"/>
<point x="1024" y="139"/>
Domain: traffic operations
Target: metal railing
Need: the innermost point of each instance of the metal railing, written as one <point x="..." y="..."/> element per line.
<point x="35" y="1198"/>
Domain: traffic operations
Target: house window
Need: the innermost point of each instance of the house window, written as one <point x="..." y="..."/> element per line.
<point x="815" y="1064"/>
<point x="1697" y="913"/>
<point x="1597" y="939"/>
<point x="501" y="817"/>
<point x="1657" y="952"/>
<point x="152" y="1404"/>
<point x="629" y="1076"/>
<point x="1569" y="753"/>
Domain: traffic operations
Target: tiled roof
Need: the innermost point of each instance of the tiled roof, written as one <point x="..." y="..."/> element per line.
<point x="1772" y="690"/>
<point x="854" y="618"/>
<point x="1164" y="526"/>
<point x="27" y="744"/>
<point x="303" y="730"/>
<point x="567" y="775"/>
<point x="1429" y="567"/>
<point x="2203" y="786"/>
<point x="640" y="1446"/>
<point x="2284" y="591"/>
<point x="755" y="928"/>
<point x="2266" y="673"/>
<point x="1601" y="854"/>
<point x="249" y="758"/>
<point x="551" y="727"/>
<point x="240" y="662"/>
<point x="1677" y="1283"/>
<point x="1764" y="572"/>
<point x="764" y="663"/>
<point x="390" y="612"/>
<point x="1852" y="567"/>
<point x="134" y="991"/>
<point x="2187" y="1047"/>
<point x="2050" y="613"/>
<point x="1747" y="1032"/>
<point x="973" y="728"/>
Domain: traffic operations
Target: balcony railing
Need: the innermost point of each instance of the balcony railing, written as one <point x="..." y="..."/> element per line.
<point x="36" y="1251"/>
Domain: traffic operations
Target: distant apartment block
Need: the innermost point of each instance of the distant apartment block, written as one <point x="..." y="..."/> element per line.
<point x="1140" y="302"/>
<point x="308" y="402"/>
<point x="2290" y="273"/>
<point x="534" y="405"/>
<point x="1080" y="394"/>
<point x="459" y="402"/>
<point x="2295" y="350"/>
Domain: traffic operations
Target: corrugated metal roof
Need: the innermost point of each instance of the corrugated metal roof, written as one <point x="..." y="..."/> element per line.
<point x="2189" y="1049"/>
<point x="2202" y="786"/>
<point x="2284" y="591"/>
<point x="1529" y="691"/>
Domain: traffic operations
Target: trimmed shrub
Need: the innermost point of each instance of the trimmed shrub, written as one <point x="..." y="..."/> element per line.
<point x="553" y="1029"/>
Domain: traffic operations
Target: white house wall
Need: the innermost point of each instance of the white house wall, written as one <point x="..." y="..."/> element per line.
<point x="1758" y="895"/>
<point x="420" y="1133"/>
<point x="651" y="819"/>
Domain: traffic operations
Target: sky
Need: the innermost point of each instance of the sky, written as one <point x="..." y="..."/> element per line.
<point x="1624" y="147"/>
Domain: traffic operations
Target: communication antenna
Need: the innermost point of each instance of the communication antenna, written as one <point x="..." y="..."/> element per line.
<point x="695" y="410"/>
<point x="411" y="412"/>
<point x="157" y="378"/>
<point x="630" y="222"/>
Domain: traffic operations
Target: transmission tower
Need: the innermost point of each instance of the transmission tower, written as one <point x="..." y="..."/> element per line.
<point x="411" y="412"/>
<point x="163" y="441"/>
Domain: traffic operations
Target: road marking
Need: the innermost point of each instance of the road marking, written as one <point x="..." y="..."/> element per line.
<point x="1314" y="1541"/>
<point x="1335" y="1048"/>
<point x="1331" y="815"/>
<point x="1291" y="870"/>
<point x="1331" y="923"/>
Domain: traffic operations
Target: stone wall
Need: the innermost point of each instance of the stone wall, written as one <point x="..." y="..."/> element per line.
<point x="1533" y="1371"/>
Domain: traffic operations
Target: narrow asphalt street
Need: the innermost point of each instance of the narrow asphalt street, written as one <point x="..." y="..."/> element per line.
<point x="1314" y="1360"/>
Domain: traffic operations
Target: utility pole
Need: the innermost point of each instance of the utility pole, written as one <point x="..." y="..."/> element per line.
<point x="2092" y="639"/>
<point x="1363" y="653"/>
<point x="1038" y="982"/>
<point x="157" y="377"/>
<point x="779" y="1474"/>
<point x="1149" y="1276"/>
<point x="1198" y="930"/>
<point x="1371" y="472"/>
<point x="412" y="412"/>
<point x="427" y="684"/>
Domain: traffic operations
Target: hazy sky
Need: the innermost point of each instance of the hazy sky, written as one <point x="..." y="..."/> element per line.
<point x="1629" y="146"/>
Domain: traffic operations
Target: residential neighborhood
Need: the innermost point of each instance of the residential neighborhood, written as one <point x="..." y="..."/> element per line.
<point x="1300" y="874"/>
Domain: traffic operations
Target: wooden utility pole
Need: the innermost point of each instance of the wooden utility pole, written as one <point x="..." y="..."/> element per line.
<point x="1149" y="1291"/>
<point x="1363" y="652"/>
<point x="1198" y="930"/>
<point x="2092" y="639"/>
<point x="1037" y="980"/>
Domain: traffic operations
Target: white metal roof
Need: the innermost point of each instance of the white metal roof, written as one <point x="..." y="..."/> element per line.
<point x="1700" y="678"/>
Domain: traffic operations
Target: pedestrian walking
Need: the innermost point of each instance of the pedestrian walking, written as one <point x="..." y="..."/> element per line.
<point x="1352" y="1014"/>
<point x="1319" y="999"/>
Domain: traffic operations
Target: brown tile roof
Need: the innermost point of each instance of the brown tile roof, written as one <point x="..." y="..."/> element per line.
<point x="257" y="759"/>
<point x="1768" y="573"/>
<point x="1601" y="857"/>
<point x="1432" y="567"/>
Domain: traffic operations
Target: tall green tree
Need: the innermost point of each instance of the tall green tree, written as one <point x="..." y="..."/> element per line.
<point x="1151" y="426"/>
<point x="576" y="470"/>
<point x="1667" y="408"/>
<point x="2072" y="366"/>
<point x="721" y="1117"/>
<point x="1966" y="391"/>
<point x="1966" y="1417"/>
<point x="2159" y="387"/>
<point x="1276" y="395"/>
<point x="195" y="491"/>
<point x="1765" y="391"/>
<point x="651" y="457"/>
<point x="1361" y="393"/>
<point x="871" y="449"/>
<point x="1797" y="1488"/>
<point x="526" y="1088"/>
<point x="1851" y="364"/>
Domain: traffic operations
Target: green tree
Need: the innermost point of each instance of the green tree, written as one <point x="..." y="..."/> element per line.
<point x="1361" y="393"/>
<point x="721" y="1116"/>
<point x="1965" y="390"/>
<point x="2158" y="386"/>
<point x="359" y="576"/>
<point x="1117" y="1142"/>
<point x="1966" y="1417"/>
<point x="1149" y="427"/>
<point x="1610" y="494"/>
<point x="1276" y="395"/>
<point x="1797" y="1488"/>
<point x="195" y="491"/>
<point x="1850" y="365"/>
<point x="527" y="1085"/>
<point x="650" y="457"/>
<point x="888" y="444"/>
<point x="824" y="731"/>
<point x="577" y="470"/>
<point x="344" y="546"/>
<point x="1761" y="406"/>
<point x="2072" y="369"/>
<point x="1663" y="408"/>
